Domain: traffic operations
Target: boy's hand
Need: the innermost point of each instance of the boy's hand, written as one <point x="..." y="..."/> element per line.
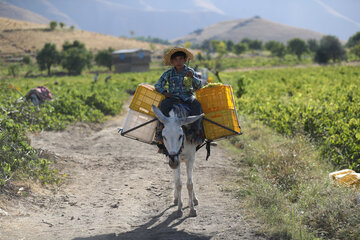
<point x="167" y="94"/>
<point x="189" y="74"/>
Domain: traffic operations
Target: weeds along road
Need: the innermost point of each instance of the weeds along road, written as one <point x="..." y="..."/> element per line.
<point x="118" y="188"/>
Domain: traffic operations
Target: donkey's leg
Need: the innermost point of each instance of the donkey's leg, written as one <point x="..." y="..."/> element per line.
<point x="190" y="186"/>
<point x="177" y="192"/>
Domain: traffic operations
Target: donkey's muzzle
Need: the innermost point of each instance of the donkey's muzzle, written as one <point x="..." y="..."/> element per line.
<point x="174" y="161"/>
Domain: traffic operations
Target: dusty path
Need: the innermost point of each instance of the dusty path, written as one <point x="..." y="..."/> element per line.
<point x="118" y="188"/>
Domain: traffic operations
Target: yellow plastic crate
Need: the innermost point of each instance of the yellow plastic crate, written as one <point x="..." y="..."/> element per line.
<point x="346" y="177"/>
<point x="215" y="98"/>
<point x="225" y="118"/>
<point x="350" y="179"/>
<point x="145" y="96"/>
<point x="334" y="175"/>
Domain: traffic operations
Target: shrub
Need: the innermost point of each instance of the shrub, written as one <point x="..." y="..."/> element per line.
<point x="13" y="69"/>
<point x="26" y="59"/>
<point x="16" y="155"/>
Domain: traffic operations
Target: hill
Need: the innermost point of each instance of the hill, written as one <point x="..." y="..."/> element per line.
<point x="19" y="38"/>
<point x="7" y="24"/>
<point x="253" y="28"/>
<point x="118" y="18"/>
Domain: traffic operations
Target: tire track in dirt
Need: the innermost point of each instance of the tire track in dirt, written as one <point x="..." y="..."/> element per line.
<point x="118" y="188"/>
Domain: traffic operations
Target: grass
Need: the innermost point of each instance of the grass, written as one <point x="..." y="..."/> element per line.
<point x="284" y="183"/>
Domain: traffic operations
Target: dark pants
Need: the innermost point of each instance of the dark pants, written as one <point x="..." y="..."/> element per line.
<point x="194" y="105"/>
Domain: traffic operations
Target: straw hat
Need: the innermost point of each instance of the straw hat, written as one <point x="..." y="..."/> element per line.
<point x="166" y="59"/>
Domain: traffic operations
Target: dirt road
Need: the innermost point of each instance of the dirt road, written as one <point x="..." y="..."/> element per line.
<point x="118" y="188"/>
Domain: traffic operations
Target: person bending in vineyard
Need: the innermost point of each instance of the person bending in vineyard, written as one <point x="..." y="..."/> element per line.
<point x="181" y="82"/>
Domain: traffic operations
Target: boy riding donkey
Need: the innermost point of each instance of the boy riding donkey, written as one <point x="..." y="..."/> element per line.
<point x="181" y="81"/>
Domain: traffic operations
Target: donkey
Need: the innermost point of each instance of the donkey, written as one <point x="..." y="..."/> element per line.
<point x="179" y="148"/>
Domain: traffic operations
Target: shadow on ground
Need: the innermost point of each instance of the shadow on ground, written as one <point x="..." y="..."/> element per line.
<point x="163" y="230"/>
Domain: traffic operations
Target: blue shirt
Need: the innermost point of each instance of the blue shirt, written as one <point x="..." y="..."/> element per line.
<point x="175" y="82"/>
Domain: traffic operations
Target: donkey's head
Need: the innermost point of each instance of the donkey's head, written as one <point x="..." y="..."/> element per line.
<point x="173" y="134"/>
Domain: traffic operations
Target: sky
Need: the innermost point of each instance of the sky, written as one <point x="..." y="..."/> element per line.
<point x="333" y="17"/>
<point x="158" y="18"/>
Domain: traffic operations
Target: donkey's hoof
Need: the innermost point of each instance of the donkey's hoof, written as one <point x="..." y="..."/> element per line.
<point x="179" y="213"/>
<point x="192" y="213"/>
<point x="196" y="202"/>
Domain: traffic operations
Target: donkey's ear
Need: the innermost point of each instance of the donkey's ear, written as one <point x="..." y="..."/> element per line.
<point x="190" y="119"/>
<point x="162" y="118"/>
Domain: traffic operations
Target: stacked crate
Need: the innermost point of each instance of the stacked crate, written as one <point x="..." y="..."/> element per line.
<point x="218" y="105"/>
<point x="141" y="112"/>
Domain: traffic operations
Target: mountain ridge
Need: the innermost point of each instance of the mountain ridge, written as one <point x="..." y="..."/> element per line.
<point x="11" y="11"/>
<point x="253" y="28"/>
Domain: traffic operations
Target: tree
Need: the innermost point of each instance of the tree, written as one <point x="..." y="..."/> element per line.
<point x="53" y="25"/>
<point x="229" y="45"/>
<point x="297" y="46"/>
<point x="75" y="57"/>
<point x="356" y="50"/>
<point x="239" y="48"/>
<point x="47" y="57"/>
<point x="313" y="45"/>
<point x="246" y="41"/>
<point x="206" y="46"/>
<point x="220" y="47"/>
<point x="255" y="44"/>
<point x="270" y="44"/>
<point x="187" y="44"/>
<point x="353" y="40"/>
<point x="276" y="48"/>
<point x="330" y="48"/>
<point x="62" y="25"/>
<point x="104" y="58"/>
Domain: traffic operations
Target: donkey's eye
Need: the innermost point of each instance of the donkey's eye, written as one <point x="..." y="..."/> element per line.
<point x="164" y="138"/>
<point x="180" y="137"/>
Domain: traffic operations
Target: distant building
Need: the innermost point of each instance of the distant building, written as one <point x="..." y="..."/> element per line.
<point x="131" y="60"/>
